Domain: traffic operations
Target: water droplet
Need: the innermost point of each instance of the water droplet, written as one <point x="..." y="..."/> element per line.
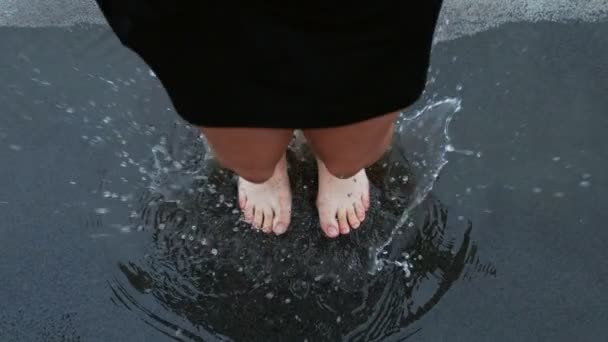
<point x="559" y="194"/>
<point x="70" y="110"/>
<point x="459" y="87"/>
<point x="102" y="211"/>
<point x="15" y="147"/>
<point x="585" y="184"/>
<point x="270" y="295"/>
<point x="537" y="190"/>
<point x="214" y="251"/>
<point x="556" y="159"/>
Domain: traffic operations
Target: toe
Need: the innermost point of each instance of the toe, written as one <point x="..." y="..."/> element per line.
<point x="279" y="227"/>
<point x="268" y="218"/>
<point x="329" y="224"/>
<point x="281" y="221"/>
<point x="359" y="211"/>
<point x="365" y="200"/>
<point x="343" y="221"/>
<point x="242" y="199"/>
<point x="258" y="217"/>
<point x="353" y="220"/>
<point x="248" y="212"/>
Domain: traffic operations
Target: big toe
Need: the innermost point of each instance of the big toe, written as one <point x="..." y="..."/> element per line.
<point x="242" y="200"/>
<point x="248" y="212"/>
<point x="281" y="222"/>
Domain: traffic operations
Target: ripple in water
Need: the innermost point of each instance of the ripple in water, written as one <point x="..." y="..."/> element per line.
<point x="208" y="275"/>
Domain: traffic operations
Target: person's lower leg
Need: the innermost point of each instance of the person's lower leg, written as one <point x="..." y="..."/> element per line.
<point x="258" y="157"/>
<point x="342" y="154"/>
<point x="349" y="164"/>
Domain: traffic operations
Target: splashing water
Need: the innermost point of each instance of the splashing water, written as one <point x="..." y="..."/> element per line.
<point x="422" y="140"/>
<point x="402" y="179"/>
<point x="203" y="259"/>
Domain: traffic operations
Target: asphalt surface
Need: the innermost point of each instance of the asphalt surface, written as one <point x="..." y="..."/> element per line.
<point x="522" y="194"/>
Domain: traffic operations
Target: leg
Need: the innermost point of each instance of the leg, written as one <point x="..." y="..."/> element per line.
<point x="342" y="154"/>
<point x="257" y="155"/>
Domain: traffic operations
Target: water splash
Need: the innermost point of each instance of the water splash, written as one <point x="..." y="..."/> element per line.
<point x="203" y="259"/>
<point x="180" y="174"/>
<point x="422" y="140"/>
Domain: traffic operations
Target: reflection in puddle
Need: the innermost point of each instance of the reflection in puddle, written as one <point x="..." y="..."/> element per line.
<point x="215" y="277"/>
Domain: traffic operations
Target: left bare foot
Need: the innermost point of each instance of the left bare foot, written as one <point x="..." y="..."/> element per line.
<point x="267" y="206"/>
<point x="342" y="203"/>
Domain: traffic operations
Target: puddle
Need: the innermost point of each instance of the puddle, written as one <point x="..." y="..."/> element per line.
<point x="213" y="275"/>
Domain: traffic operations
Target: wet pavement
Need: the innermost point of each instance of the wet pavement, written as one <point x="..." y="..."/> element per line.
<point x="116" y="225"/>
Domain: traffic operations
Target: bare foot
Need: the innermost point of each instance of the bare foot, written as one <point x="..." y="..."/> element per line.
<point x="268" y="205"/>
<point x="342" y="203"/>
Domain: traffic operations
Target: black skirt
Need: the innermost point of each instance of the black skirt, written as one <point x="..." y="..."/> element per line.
<point x="281" y="64"/>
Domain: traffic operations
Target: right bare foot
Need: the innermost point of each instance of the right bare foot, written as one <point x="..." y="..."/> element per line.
<point x="268" y="205"/>
<point x="342" y="203"/>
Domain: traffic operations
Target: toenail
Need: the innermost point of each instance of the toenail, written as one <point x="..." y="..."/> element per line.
<point x="332" y="231"/>
<point x="279" y="228"/>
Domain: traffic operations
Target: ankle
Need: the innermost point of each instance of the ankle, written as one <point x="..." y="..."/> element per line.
<point x="255" y="176"/>
<point x="262" y="175"/>
<point x="339" y="171"/>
